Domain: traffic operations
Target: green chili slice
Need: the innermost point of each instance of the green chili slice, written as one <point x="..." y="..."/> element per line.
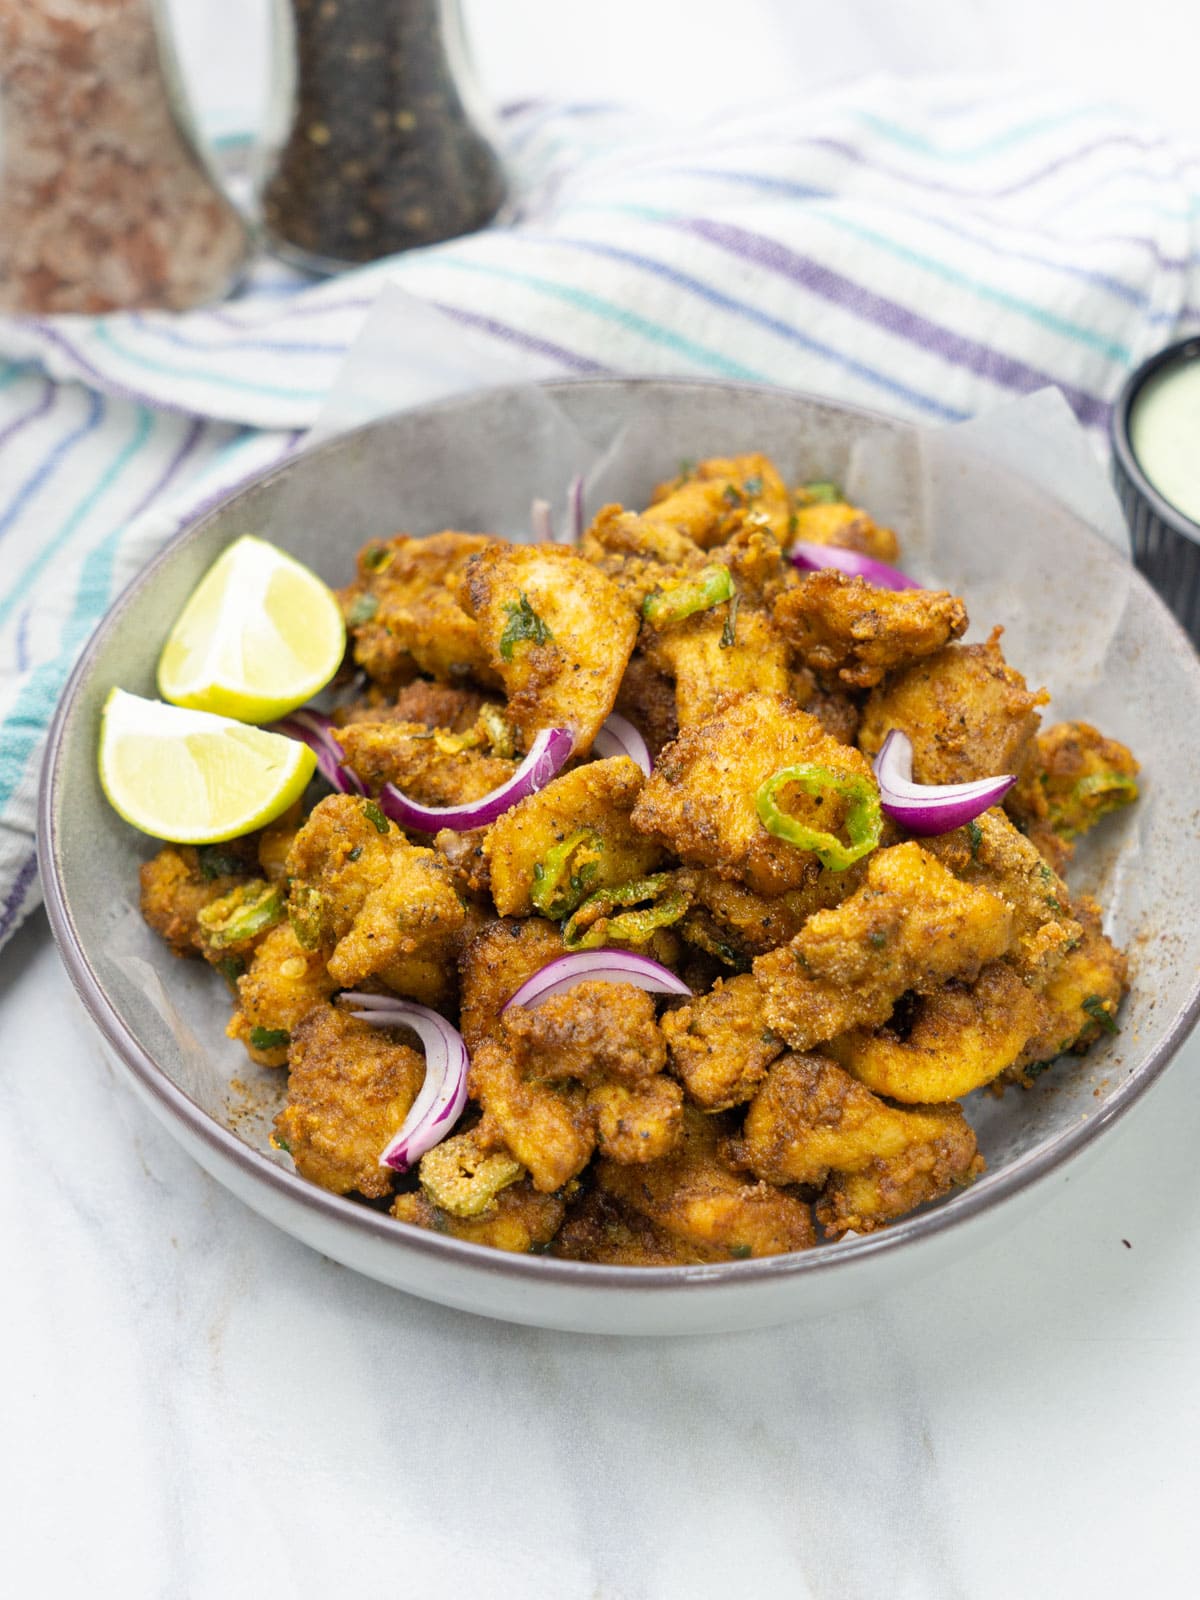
<point x="269" y="1038"/>
<point x="863" y="823"/>
<point x="377" y="557"/>
<point x="1099" y="1012"/>
<point x="499" y="732"/>
<point x="306" y="913"/>
<point x="821" y="492"/>
<point x="460" y="1177"/>
<point x="242" y="914"/>
<point x="523" y="623"/>
<point x="598" y="922"/>
<point x="681" y="599"/>
<point x="569" y="870"/>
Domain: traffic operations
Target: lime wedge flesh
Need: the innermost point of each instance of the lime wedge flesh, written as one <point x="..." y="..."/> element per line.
<point x="259" y="636"/>
<point x="193" y="778"/>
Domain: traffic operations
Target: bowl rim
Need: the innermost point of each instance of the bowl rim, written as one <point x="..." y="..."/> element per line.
<point x="537" y="1270"/>
<point x="1122" y="442"/>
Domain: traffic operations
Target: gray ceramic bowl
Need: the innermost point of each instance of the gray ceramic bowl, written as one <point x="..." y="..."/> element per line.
<point x="475" y="462"/>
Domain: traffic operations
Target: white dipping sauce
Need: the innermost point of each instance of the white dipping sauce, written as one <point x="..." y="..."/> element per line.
<point x="1164" y="430"/>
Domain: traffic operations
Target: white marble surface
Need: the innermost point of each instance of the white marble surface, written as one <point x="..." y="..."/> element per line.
<point x="195" y="1406"/>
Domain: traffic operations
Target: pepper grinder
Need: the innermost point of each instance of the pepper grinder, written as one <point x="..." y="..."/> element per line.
<point x="385" y="148"/>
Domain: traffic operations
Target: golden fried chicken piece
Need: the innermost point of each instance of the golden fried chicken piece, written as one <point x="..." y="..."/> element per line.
<point x="715" y="653"/>
<point x="734" y="924"/>
<point x="470" y="871"/>
<point x="548" y="1126"/>
<point x="850" y="629"/>
<point x="433" y="705"/>
<point x="555" y="631"/>
<point x="812" y="1123"/>
<point x="992" y="853"/>
<point x="599" y="1229"/>
<point x="180" y="881"/>
<point x="519" y="1220"/>
<point x="604" y="1035"/>
<point x="712" y="500"/>
<point x="375" y="905"/>
<point x="427" y="765"/>
<point x="959" y="1038"/>
<point x="494" y="965"/>
<point x="968" y="713"/>
<point x="720" y="1044"/>
<point x="1073" y="776"/>
<point x="911" y="925"/>
<point x="593" y="1032"/>
<point x="695" y="1196"/>
<point x="283" y="983"/>
<point x="700" y="799"/>
<point x="403" y="612"/>
<point x="350" y="1088"/>
<point x="1079" y="1003"/>
<point x="647" y="699"/>
<point x="637" y="555"/>
<point x="574" y="836"/>
<point x="759" y="569"/>
<point x="844" y="525"/>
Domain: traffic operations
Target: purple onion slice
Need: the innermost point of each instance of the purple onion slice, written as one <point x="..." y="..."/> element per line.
<point x="575" y="509"/>
<point x="927" y="808"/>
<point x="315" y="729"/>
<point x="619" y="737"/>
<point x="547" y="755"/>
<point x="541" y="521"/>
<point x="597" y="966"/>
<point x="812" y="557"/>
<point x="443" y="1094"/>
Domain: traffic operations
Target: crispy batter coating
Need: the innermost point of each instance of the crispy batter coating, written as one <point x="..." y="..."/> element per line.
<point x="494" y="965"/>
<point x="911" y="925"/>
<point x="849" y="629"/>
<point x="714" y="499"/>
<point x="593" y="800"/>
<point x="812" y="1123"/>
<point x="637" y="555"/>
<point x="350" y="1088"/>
<point x="283" y="983"/>
<point x="1087" y="987"/>
<point x="845" y="525"/>
<point x="1072" y="777"/>
<point x="994" y="855"/>
<point x="647" y="699"/>
<point x="519" y="1220"/>
<point x="710" y="655"/>
<point x="696" y="1196"/>
<point x="403" y="612"/>
<point x="640" y="1122"/>
<point x="700" y="799"/>
<point x="470" y="871"/>
<point x="555" y="631"/>
<point x="433" y="705"/>
<point x="592" y="1032"/>
<point x="836" y="710"/>
<point x="960" y="1037"/>
<point x="599" y="1228"/>
<point x="410" y="755"/>
<point x="375" y="905"/>
<point x="968" y="713"/>
<point x="549" y="1127"/>
<point x="180" y="881"/>
<point x="720" y="1044"/>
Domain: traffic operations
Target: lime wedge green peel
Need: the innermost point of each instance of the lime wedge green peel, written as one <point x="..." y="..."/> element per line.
<point x="259" y="636"/>
<point x="193" y="778"/>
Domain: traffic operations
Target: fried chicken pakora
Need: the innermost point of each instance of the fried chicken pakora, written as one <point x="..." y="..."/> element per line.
<point x="834" y="988"/>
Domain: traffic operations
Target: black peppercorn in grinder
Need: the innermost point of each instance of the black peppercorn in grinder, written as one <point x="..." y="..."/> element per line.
<point x="384" y="149"/>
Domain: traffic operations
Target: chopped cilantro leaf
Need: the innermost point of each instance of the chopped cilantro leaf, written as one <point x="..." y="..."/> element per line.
<point x="523" y="623"/>
<point x="269" y="1038"/>
<point x="1099" y="1012"/>
<point x="975" y="835"/>
<point x="363" y="609"/>
<point x="375" y="816"/>
<point x="729" y="631"/>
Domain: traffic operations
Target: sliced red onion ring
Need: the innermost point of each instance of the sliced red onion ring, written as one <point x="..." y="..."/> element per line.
<point x="812" y="557"/>
<point x="575" y="509"/>
<point x="443" y="1094"/>
<point x="618" y="737"/>
<point x="597" y="966"/>
<point x="547" y="755"/>
<point x="928" y="808"/>
<point x="541" y="521"/>
<point x="315" y="729"/>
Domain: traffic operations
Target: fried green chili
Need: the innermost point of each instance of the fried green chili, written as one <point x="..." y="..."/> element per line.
<point x="863" y="822"/>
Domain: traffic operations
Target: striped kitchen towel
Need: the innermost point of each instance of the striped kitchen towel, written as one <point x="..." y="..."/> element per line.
<point x="925" y="248"/>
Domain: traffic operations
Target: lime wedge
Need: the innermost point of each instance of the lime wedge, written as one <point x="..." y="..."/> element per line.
<point x="259" y="636"/>
<point x="194" y="778"/>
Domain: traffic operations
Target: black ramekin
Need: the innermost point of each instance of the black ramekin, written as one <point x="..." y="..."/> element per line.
<point x="1166" y="544"/>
